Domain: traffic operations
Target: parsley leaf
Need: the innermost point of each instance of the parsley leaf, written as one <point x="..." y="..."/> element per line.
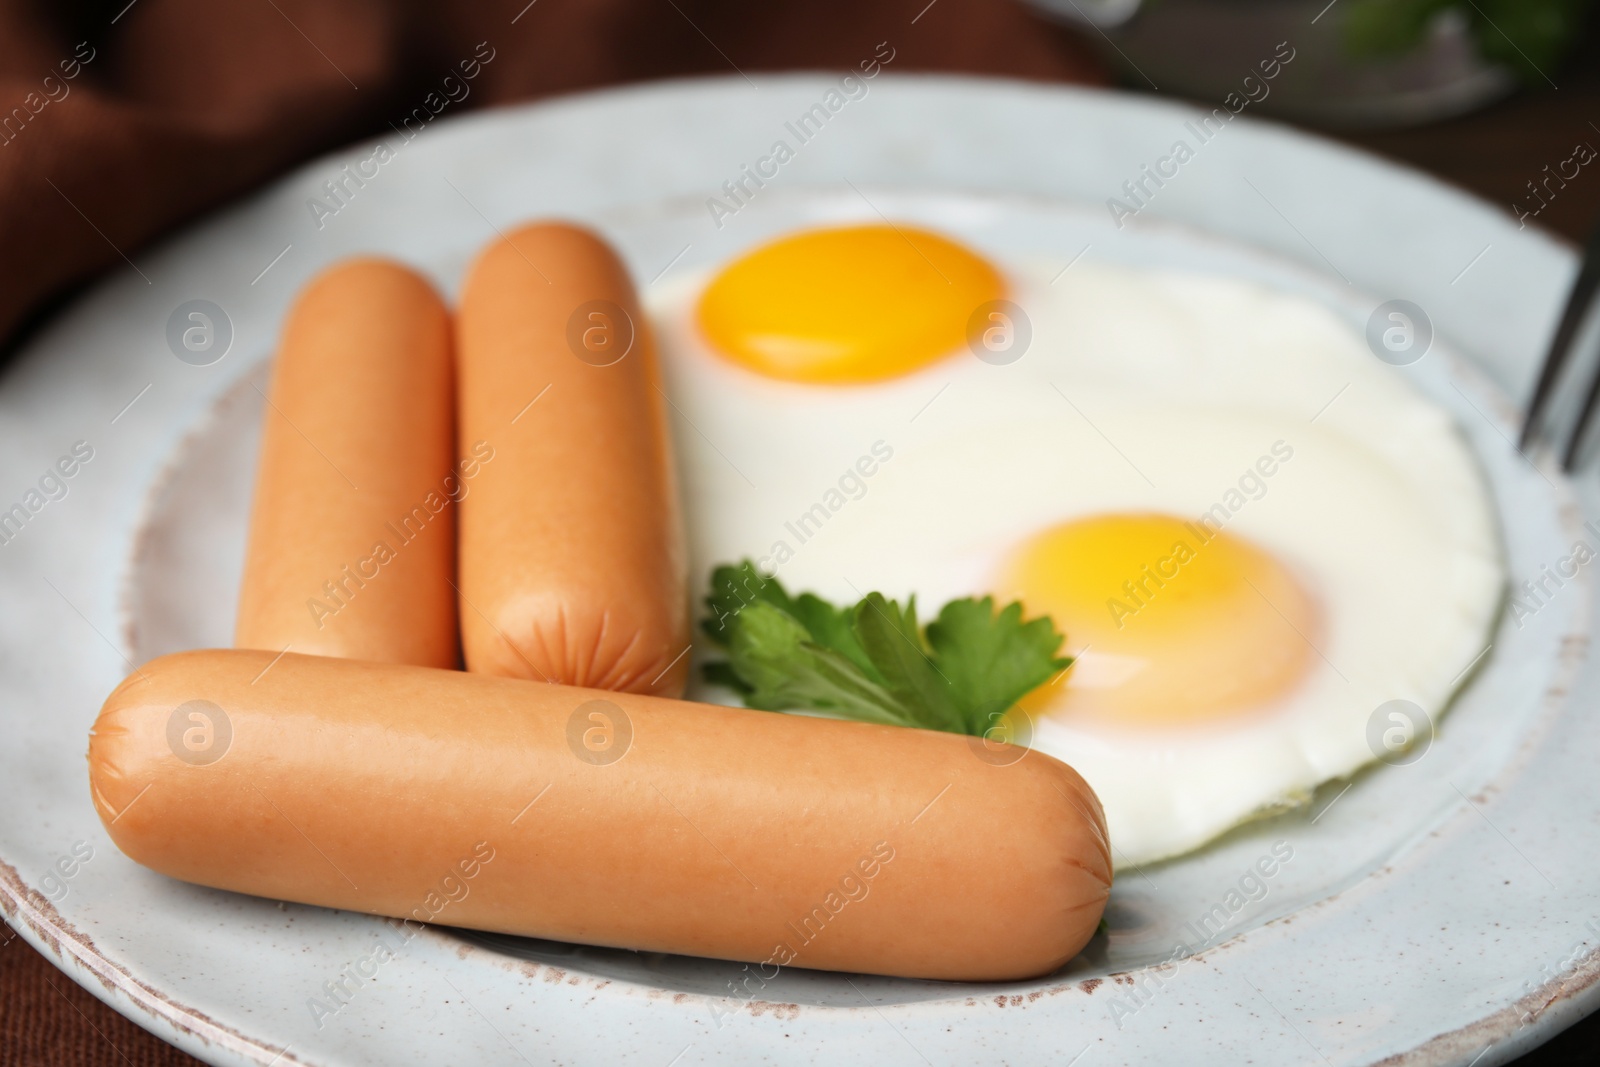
<point x="873" y="661"/>
<point x="994" y="660"/>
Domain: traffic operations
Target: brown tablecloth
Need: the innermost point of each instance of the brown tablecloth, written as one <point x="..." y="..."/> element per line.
<point x="119" y="121"/>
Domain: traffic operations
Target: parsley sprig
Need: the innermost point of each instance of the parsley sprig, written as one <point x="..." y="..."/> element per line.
<point x="1529" y="36"/>
<point x="872" y="661"/>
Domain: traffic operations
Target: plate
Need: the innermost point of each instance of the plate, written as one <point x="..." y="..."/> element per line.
<point x="1436" y="912"/>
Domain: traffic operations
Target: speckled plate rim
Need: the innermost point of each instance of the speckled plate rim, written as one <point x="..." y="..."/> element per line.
<point x="925" y="131"/>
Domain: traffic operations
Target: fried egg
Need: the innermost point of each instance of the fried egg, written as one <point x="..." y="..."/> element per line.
<point x="1252" y="532"/>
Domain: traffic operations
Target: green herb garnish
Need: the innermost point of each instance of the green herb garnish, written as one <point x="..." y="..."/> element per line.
<point x="872" y="661"/>
<point x="1528" y="36"/>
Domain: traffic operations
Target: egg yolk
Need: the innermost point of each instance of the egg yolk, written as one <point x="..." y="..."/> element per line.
<point x="1173" y="623"/>
<point x="847" y="305"/>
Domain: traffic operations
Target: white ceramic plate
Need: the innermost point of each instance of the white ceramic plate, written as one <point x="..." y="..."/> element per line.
<point x="1436" y="913"/>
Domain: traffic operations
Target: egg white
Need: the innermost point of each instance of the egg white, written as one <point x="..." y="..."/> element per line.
<point x="1140" y="391"/>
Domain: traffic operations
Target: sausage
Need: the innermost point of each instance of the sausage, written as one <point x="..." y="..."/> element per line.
<point x="352" y="534"/>
<point x="603" y="818"/>
<point x="573" y="566"/>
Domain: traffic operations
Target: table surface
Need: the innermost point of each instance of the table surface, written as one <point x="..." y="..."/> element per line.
<point x="45" y="1018"/>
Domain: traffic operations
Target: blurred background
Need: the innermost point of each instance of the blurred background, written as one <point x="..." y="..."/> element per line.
<point x="121" y="122"/>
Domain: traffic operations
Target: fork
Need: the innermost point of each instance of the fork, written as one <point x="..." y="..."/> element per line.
<point x="1579" y="300"/>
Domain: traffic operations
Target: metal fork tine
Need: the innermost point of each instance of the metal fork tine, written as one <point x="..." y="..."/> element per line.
<point x="1578" y="301"/>
<point x="1570" y="453"/>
